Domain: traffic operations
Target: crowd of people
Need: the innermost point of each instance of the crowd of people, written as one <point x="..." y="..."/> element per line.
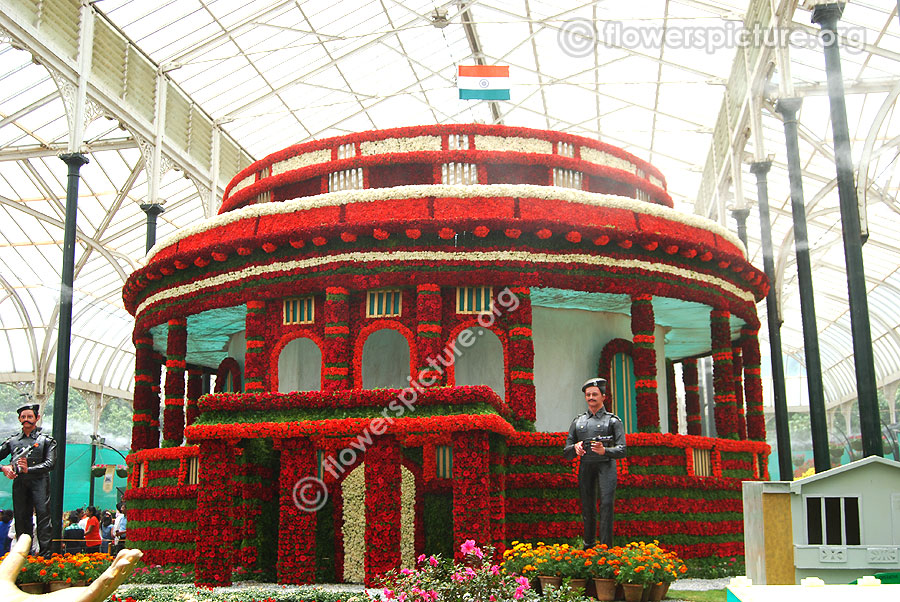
<point x="84" y="530"/>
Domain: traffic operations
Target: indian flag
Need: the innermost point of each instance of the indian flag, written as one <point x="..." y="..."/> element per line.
<point x="483" y="82"/>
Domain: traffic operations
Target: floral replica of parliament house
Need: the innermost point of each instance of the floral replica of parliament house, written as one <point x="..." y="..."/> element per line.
<point x="399" y="323"/>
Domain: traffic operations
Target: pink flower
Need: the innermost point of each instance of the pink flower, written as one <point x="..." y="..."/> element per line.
<point x="405" y="572"/>
<point x="388" y="593"/>
<point x="421" y="558"/>
<point x="523" y="581"/>
<point x="495" y="570"/>
<point x="433" y="561"/>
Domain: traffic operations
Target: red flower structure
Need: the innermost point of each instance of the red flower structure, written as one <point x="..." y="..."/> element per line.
<point x="289" y="259"/>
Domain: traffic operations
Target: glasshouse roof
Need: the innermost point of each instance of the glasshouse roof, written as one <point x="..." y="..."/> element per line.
<point x="169" y="100"/>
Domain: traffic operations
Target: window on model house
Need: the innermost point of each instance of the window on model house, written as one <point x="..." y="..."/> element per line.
<point x="832" y="521"/>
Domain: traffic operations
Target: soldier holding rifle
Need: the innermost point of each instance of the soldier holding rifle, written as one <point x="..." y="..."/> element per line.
<point x="33" y="455"/>
<point x="597" y="437"/>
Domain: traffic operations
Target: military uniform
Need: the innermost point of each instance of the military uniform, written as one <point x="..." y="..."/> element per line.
<point x="596" y="469"/>
<point x="31" y="490"/>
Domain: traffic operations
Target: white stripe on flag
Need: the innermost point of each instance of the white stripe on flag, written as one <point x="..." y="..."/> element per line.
<point x="482" y="83"/>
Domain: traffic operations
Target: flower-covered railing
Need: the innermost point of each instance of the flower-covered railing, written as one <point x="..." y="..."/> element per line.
<point x="524" y="234"/>
<point x="162" y="504"/>
<point x="320" y="415"/>
<point x="659" y="494"/>
<point x="415" y="155"/>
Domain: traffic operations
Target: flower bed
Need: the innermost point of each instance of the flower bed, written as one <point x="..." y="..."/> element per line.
<point x="67" y="568"/>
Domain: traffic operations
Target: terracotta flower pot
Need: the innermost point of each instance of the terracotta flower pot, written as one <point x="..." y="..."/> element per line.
<point x="32" y="588"/>
<point x="575" y="583"/>
<point x="55" y="586"/>
<point x="634" y="592"/>
<point x="548" y="581"/>
<point x="605" y="589"/>
<point x="658" y="591"/>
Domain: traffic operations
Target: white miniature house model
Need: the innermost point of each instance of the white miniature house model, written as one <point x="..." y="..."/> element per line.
<point x="837" y="525"/>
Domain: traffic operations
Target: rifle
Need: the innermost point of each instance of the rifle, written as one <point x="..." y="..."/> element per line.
<point x="22" y="452"/>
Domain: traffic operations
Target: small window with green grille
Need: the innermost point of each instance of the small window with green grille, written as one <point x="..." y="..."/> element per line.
<point x="474" y="299"/>
<point x="300" y="310"/>
<point x="443" y="466"/>
<point x="383" y="304"/>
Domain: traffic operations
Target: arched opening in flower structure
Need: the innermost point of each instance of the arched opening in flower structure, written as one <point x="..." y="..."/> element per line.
<point x="480" y="363"/>
<point x="300" y="366"/>
<point x="617" y="367"/>
<point x="385" y="360"/>
<point x="228" y="377"/>
<point x="237" y="348"/>
<point x="353" y="518"/>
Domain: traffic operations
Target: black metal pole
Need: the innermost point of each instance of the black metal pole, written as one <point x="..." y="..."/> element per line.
<point x="827" y="16"/>
<point x="91" y="472"/>
<point x="782" y="434"/>
<point x="740" y="216"/>
<point x="788" y="108"/>
<point x="63" y="346"/>
<point x="152" y="210"/>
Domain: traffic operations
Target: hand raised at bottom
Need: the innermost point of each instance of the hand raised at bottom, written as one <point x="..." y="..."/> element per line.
<point x="101" y="589"/>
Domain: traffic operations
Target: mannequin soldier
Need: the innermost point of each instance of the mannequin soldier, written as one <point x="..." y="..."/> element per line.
<point x="597" y="437"/>
<point x="33" y="456"/>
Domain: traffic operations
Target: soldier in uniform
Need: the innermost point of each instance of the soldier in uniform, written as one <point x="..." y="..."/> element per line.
<point x="598" y="460"/>
<point x="34" y="455"/>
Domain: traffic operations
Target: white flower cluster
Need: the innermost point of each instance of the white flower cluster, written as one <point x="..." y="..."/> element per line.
<point x="371" y="195"/>
<point x="513" y="144"/>
<point x="407" y="519"/>
<point x="435" y="257"/>
<point x="400" y="145"/>
<point x="298" y="161"/>
<point x="251" y="179"/>
<point x="599" y="157"/>
<point x="353" y="489"/>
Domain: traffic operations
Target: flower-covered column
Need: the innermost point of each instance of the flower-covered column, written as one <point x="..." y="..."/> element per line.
<point x="521" y="356"/>
<point x="738" y="370"/>
<point x="497" y="468"/>
<point x="173" y="415"/>
<point x="214" y="561"/>
<point x="644" y="356"/>
<point x="691" y="396"/>
<point x="301" y="494"/>
<point x="337" y="338"/>
<point x="255" y="364"/>
<point x="671" y="397"/>
<point x="471" y="489"/>
<point x="143" y="391"/>
<point x="428" y="333"/>
<point x="723" y="374"/>
<point x="382" y="468"/>
<point x="194" y="391"/>
<point x="756" y="422"/>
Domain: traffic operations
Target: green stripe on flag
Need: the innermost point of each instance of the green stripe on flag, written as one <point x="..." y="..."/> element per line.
<point x="484" y="94"/>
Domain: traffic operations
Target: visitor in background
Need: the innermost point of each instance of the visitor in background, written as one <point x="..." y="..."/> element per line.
<point x="5" y="520"/>
<point x="82" y="518"/>
<point x="73" y="535"/>
<point x="106" y="533"/>
<point x="119" y="528"/>
<point x="92" y="537"/>
<point x="605" y="435"/>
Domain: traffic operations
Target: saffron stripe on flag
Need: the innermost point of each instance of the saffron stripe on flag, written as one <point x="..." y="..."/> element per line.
<point x="483" y="70"/>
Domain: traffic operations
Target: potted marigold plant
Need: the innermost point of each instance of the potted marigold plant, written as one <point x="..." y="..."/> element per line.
<point x="601" y="564"/>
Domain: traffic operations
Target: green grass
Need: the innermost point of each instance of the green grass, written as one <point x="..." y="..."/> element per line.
<point x="712" y="595"/>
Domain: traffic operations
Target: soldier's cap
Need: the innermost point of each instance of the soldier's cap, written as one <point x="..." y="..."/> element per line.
<point x="598" y="382"/>
<point x="31" y="406"/>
